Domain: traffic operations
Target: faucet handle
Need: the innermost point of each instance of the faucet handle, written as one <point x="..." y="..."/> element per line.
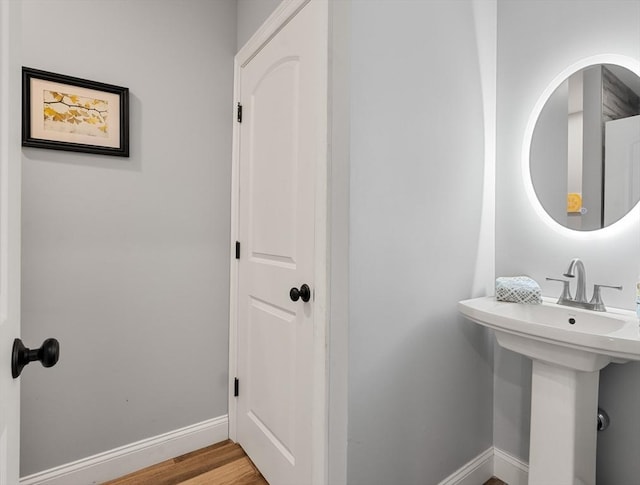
<point x="566" y="291"/>
<point x="596" y="299"/>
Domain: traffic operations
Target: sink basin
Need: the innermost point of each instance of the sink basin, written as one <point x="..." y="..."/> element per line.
<point x="571" y="337"/>
<point x="568" y="347"/>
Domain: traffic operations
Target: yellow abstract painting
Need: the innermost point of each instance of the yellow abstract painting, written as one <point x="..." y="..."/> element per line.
<point x="70" y="113"/>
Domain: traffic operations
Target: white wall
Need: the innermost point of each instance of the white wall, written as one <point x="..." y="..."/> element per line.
<point x="420" y="376"/>
<point x="536" y="41"/>
<point x="126" y="261"/>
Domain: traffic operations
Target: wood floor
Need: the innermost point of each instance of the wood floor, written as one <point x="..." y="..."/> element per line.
<point x="224" y="463"/>
<point x="494" y="481"/>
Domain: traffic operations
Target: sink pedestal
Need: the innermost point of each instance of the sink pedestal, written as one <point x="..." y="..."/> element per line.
<point x="568" y="347"/>
<point x="564" y="406"/>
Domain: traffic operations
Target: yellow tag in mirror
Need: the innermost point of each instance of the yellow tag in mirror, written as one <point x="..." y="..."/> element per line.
<point x="574" y="202"/>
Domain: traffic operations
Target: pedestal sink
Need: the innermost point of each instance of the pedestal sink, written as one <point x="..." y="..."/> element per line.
<point x="568" y="347"/>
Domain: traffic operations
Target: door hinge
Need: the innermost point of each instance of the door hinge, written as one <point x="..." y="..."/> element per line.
<point x="239" y="113"/>
<point x="236" y="387"/>
<point x="237" y="249"/>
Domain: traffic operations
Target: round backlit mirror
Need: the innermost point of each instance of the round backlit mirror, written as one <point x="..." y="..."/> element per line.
<point x="584" y="157"/>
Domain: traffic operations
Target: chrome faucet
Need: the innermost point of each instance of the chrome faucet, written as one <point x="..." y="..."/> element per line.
<point x="576" y="267"/>
<point x="576" y="264"/>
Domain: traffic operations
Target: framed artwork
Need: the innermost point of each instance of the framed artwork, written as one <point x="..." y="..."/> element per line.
<point x="68" y="113"/>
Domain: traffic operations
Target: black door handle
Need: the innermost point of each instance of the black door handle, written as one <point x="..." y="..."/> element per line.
<point x="304" y="292"/>
<point x="47" y="354"/>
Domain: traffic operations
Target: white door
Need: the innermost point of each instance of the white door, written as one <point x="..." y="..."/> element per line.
<point x="282" y="136"/>
<point x="622" y="167"/>
<point x="9" y="242"/>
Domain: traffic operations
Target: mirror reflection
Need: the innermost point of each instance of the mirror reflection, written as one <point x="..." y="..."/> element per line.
<point x="585" y="149"/>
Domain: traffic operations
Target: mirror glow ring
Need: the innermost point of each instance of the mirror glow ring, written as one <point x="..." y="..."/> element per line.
<point x="633" y="216"/>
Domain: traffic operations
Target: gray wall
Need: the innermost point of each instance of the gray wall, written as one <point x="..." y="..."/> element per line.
<point x="420" y="376"/>
<point x="116" y="251"/>
<point x="126" y="261"/>
<point x="549" y="154"/>
<point x="592" y="149"/>
<point x="339" y="155"/>
<point x="527" y="62"/>
<point x="251" y="15"/>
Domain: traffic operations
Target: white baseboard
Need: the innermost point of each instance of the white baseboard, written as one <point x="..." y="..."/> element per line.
<point x="135" y="456"/>
<point x="493" y="462"/>
<point x="477" y="471"/>
<point x="509" y="469"/>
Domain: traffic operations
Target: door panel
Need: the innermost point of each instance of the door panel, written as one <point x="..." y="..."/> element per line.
<point x="281" y="140"/>
<point x="271" y="354"/>
<point x="274" y="101"/>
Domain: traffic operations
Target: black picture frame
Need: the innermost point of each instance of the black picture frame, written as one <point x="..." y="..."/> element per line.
<point x="62" y="112"/>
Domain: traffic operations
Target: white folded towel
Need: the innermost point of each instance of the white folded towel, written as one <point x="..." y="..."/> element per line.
<point x="518" y="289"/>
